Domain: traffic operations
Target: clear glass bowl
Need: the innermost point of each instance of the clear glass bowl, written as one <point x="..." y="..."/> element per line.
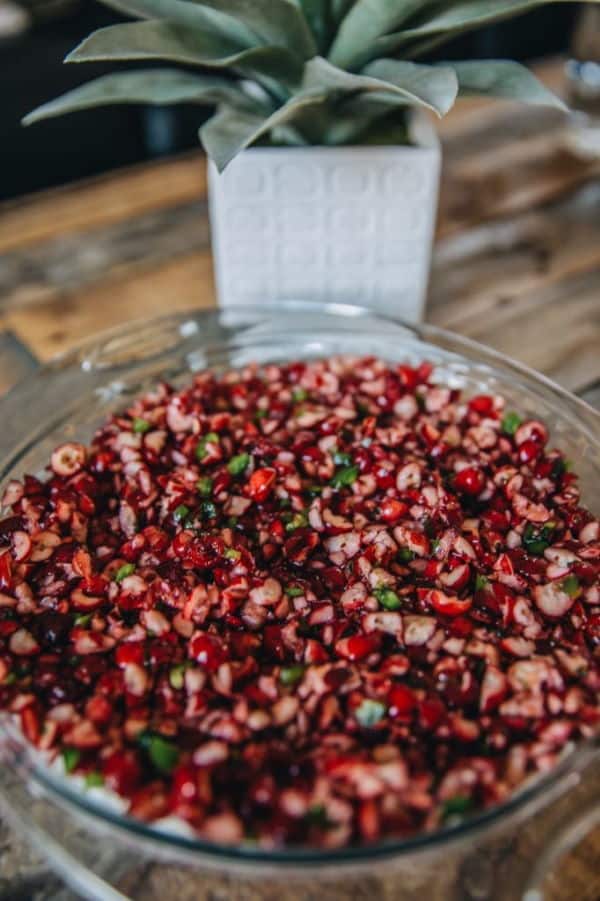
<point x="504" y="853"/>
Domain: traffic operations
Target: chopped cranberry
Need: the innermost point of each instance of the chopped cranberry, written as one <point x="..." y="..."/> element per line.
<point x="5" y="572"/>
<point x="532" y="430"/>
<point x="482" y="404"/>
<point x="448" y="605"/>
<point x="431" y="713"/>
<point x="401" y="701"/>
<point x="68" y="459"/>
<point x="299" y="546"/>
<point x="461" y="626"/>
<point x="122" y="772"/>
<point x="130" y="652"/>
<point x="528" y="451"/>
<point x="470" y="480"/>
<point x="358" y="647"/>
<point x="312" y="602"/>
<point x="260" y="484"/>
<point x="207" y="651"/>
<point x="204" y="553"/>
<point x="185" y="786"/>
<point x="392" y="510"/>
<point x="409" y="377"/>
<point x="386" y="478"/>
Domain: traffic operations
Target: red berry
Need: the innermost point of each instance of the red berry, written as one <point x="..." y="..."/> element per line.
<point x="185" y="785"/>
<point x="385" y="477"/>
<point x="122" y="772"/>
<point x="531" y="430"/>
<point x="392" y="510"/>
<point x="482" y="404"/>
<point x="156" y="539"/>
<point x="299" y="547"/>
<point x="5" y="572"/>
<point x="461" y="627"/>
<point x="408" y="376"/>
<point x="221" y="482"/>
<point x="98" y="709"/>
<point x="30" y="724"/>
<point x="68" y="459"/>
<point x="528" y="451"/>
<point x="260" y="484"/>
<point x="431" y="712"/>
<point x="357" y="647"/>
<point x="401" y="701"/>
<point x="470" y="480"/>
<point x="207" y="651"/>
<point x="448" y="605"/>
<point x="130" y="652"/>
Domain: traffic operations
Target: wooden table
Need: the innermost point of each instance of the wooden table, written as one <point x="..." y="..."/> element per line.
<point x="517" y="266"/>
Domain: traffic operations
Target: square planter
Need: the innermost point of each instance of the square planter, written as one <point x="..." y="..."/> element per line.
<point x="335" y="224"/>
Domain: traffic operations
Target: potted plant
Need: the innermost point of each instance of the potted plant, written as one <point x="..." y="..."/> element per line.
<point x="324" y="169"/>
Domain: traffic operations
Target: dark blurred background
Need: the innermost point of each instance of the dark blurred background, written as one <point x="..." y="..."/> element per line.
<point x="33" y="46"/>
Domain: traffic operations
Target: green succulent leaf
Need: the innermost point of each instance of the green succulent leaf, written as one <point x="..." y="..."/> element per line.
<point x="154" y="86"/>
<point x="377" y="118"/>
<point x="276" y="22"/>
<point x="366" y="21"/>
<point x="503" y="78"/>
<point x="340" y="9"/>
<point x="273" y="22"/>
<point x="188" y="46"/>
<point x="473" y="13"/>
<point x="433" y="87"/>
<point x="181" y="12"/>
<point x="154" y="39"/>
<point x="230" y="131"/>
<point x="317" y="13"/>
<point x="227" y="133"/>
<point x="360" y="93"/>
<point x="441" y="24"/>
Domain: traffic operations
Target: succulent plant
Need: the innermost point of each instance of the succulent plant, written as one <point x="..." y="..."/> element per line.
<point x="297" y="72"/>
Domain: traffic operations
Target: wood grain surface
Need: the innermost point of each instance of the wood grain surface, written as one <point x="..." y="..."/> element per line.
<point x="516" y="265"/>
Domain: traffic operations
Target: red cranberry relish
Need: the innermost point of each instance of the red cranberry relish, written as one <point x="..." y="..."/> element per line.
<point x="319" y="603"/>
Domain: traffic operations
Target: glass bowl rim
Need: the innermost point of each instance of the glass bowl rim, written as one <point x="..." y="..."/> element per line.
<point x="346" y="311"/>
<point x="571" y="763"/>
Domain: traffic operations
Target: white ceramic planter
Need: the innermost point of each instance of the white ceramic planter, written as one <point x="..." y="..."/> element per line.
<point x="338" y="224"/>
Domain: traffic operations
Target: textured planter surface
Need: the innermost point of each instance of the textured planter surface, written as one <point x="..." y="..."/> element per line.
<point x="348" y="224"/>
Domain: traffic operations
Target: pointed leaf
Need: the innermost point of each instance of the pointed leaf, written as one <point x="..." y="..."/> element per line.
<point x="181" y="12"/>
<point x="503" y="78"/>
<point x="434" y="87"/>
<point x="317" y="13"/>
<point x="437" y="93"/>
<point x="279" y="23"/>
<point x="153" y="86"/>
<point x="229" y="132"/>
<point x="154" y="39"/>
<point x="366" y="21"/>
<point x="340" y="9"/>
<point x="457" y="17"/>
<point x="356" y="117"/>
<point x="161" y="40"/>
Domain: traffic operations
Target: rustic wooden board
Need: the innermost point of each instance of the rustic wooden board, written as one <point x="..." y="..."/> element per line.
<point x="101" y="201"/>
<point x="529" y="285"/>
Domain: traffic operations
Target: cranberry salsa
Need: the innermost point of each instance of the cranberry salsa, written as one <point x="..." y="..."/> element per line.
<point x="320" y="603"/>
